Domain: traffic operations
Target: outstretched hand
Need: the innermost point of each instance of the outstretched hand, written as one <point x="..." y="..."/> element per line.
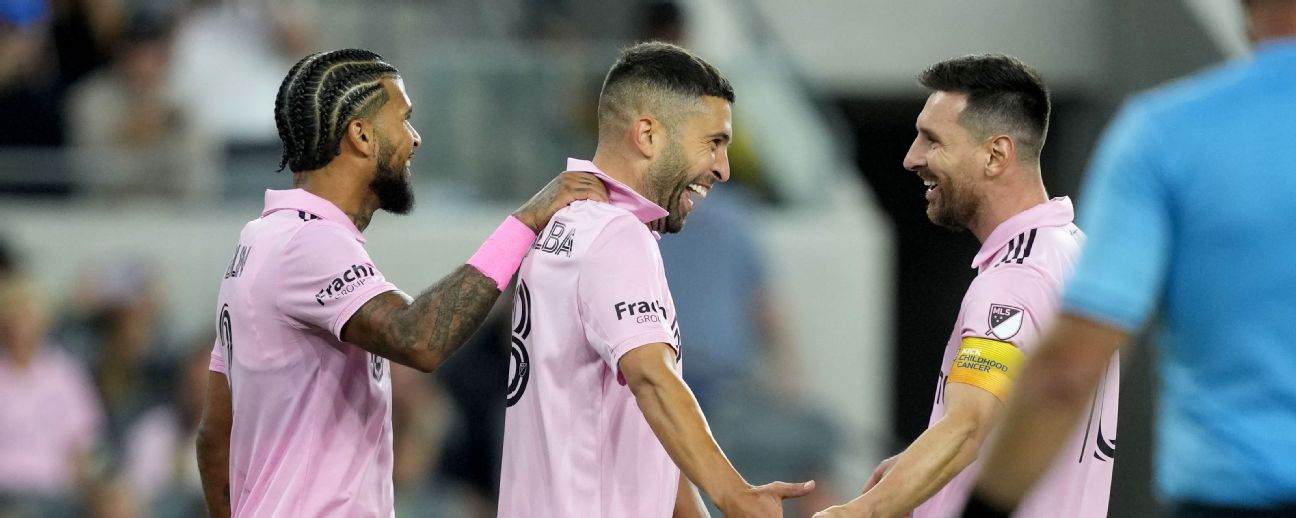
<point x="766" y="500"/>
<point x="859" y="508"/>
<point x="567" y="187"/>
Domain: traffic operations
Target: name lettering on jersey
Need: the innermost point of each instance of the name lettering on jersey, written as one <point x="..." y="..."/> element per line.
<point x="558" y="240"/>
<point x="1005" y="321"/>
<point x="641" y="311"/>
<point x="237" y="263"/>
<point x="346" y="283"/>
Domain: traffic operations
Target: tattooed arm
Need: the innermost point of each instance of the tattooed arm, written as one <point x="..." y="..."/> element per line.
<point x="423" y="332"/>
<point x="213" y="446"/>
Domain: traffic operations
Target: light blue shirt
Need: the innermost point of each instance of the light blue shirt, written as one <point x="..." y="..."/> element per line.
<point x="716" y="274"/>
<point x="1190" y="208"/>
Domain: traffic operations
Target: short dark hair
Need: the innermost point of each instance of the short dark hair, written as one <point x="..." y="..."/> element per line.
<point x="1004" y="95"/>
<point x="648" y="75"/>
<point x="319" y="96"/>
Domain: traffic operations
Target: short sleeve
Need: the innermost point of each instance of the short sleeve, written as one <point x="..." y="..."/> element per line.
<point x="622" y="291"/>
<point x="325" y="277"/>
<point x="1126" y="216"/>
<point x="1011" y="304"/>
<point x="1004" y="312"/>
<point x="217" y="363"/>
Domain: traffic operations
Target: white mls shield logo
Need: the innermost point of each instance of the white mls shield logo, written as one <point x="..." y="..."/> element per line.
<point x="1005" y="321"/>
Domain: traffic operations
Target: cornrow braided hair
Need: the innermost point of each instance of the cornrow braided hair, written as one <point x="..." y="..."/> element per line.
<point x="319" y="96"/>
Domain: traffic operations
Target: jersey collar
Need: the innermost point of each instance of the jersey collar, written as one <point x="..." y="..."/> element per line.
<point x="621" y="195"/>
<point x="306" y="204"/>
<point x="1053" y="213"/>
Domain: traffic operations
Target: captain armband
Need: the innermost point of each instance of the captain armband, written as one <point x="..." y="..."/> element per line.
<point x="985" y="363"/>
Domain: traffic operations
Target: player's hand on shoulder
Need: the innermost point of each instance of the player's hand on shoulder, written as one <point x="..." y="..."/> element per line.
<point x="762" y="501"/>
<point x="566" y="188"/>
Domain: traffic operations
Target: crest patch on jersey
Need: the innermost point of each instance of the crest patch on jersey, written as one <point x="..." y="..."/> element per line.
<point x="1005" y="321"/>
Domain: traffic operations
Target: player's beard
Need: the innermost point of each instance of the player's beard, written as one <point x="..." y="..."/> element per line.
<point x="956" y="205"/>
<point x="665" y="183"/>
<point x="391" y="184"/>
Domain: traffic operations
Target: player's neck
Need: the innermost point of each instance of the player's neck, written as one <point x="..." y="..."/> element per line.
<point x="352" y="196"/>
<point x="999" y="207"/>
<point x="619" y="167"/>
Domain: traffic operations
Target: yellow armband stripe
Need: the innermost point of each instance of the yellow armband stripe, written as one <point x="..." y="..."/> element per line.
<point x="985" y="363"/>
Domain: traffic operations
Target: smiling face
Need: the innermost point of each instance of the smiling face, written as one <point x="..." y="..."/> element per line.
<point x="949" y="160"/>
<point x="695" y="158"/>
<point x="396" y="141"/>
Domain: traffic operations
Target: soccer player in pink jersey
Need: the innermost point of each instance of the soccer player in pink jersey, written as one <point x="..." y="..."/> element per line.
<point x="599" y="422"/>
<point x="977" y="151"/>
<point x="297" y="420"/>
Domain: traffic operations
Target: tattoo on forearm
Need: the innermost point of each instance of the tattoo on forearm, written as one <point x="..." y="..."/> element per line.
<point x="431" y="327"/>
<point x="453" y="309"/>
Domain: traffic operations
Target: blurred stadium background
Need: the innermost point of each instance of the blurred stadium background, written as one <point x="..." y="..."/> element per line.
<point x="138" y="137"/>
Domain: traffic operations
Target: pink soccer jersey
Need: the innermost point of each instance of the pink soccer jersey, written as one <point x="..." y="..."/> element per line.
<point x="592" y="289"/>
<point x="49" y="416"/>
<point x="312" y="414"/>
<point x="1021" y="268"/>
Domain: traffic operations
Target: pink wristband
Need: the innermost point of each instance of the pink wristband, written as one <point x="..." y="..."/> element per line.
<point x="502" y="253"/>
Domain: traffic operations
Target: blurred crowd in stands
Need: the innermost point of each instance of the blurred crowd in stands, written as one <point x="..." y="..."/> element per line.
<point x="149" y="95"/>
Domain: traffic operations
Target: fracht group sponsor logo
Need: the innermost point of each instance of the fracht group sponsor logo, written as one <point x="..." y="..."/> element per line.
<point x="641" y="311"/>
<point x="345" y="283"/>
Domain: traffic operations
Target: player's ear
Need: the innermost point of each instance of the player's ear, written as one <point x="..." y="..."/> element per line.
<point x="361" y="137"/>
<point x="1001" y="152"/>
<point x="648" y="134"/>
